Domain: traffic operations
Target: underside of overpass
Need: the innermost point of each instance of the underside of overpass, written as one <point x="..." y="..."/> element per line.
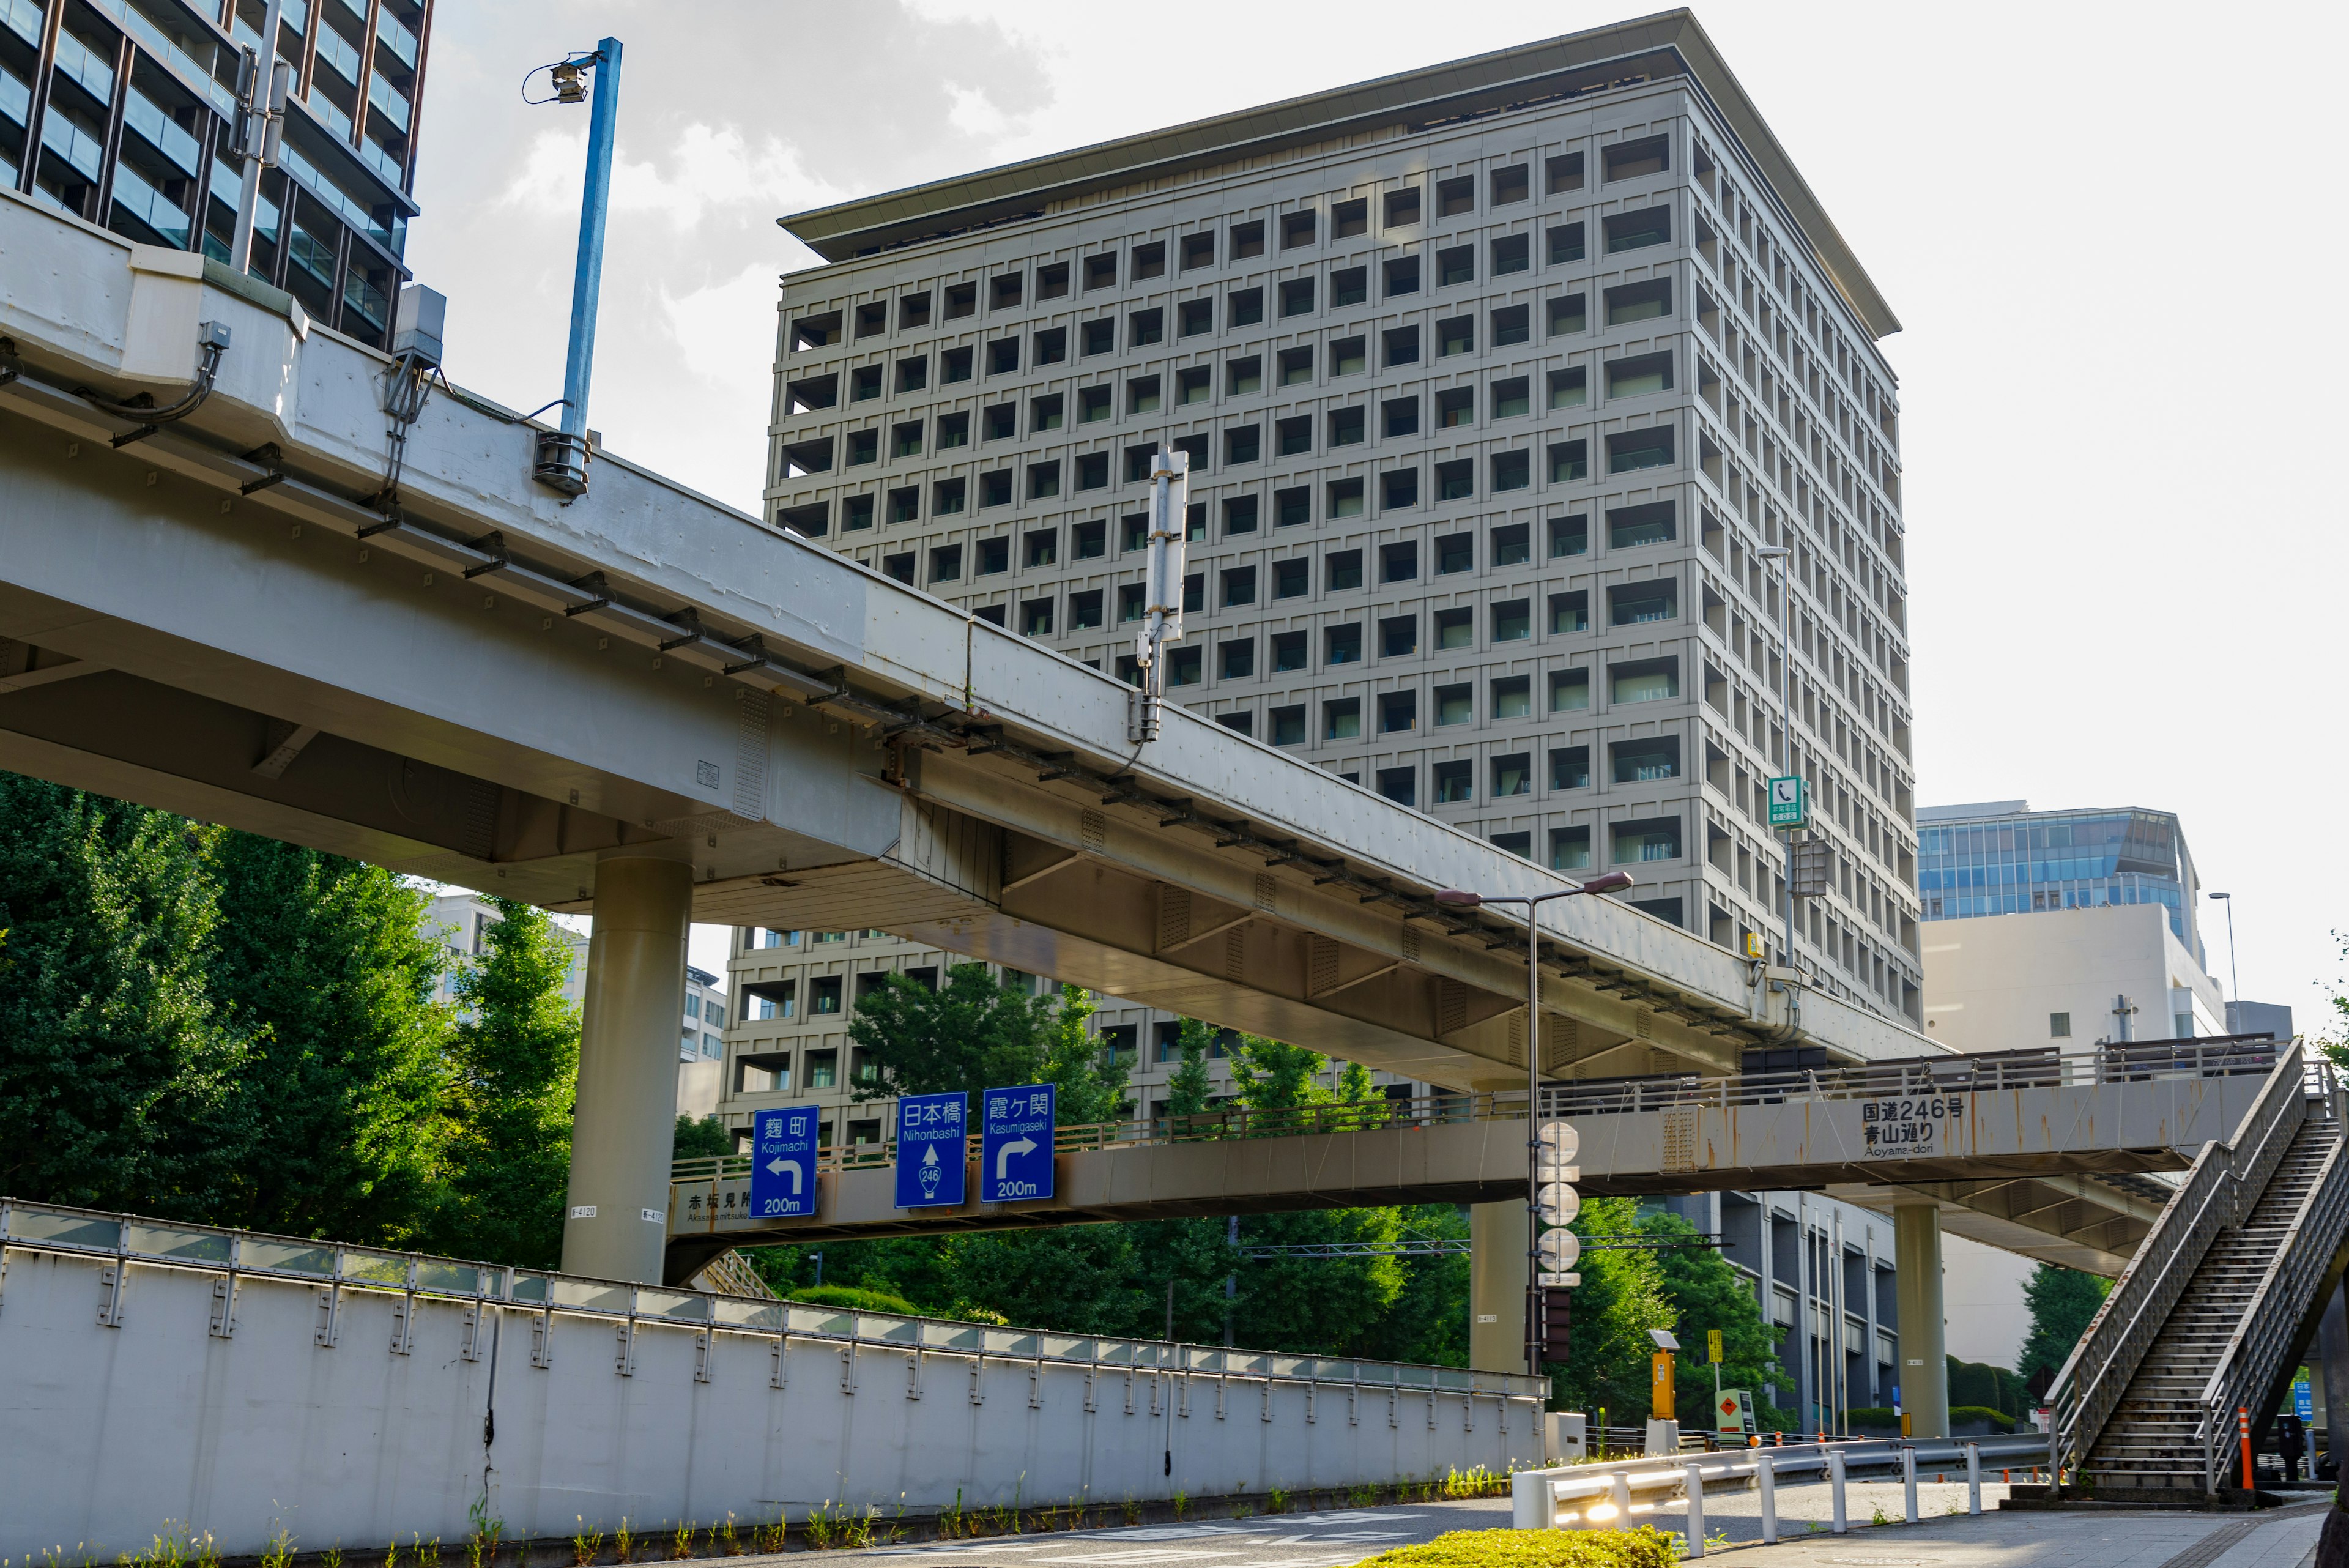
<point x="475" y="680"/>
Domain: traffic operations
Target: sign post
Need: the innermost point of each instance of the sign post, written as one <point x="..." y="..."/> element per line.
<point x="782" y="1162"/>
<point x="1790" y="810"/>
<point x="931" y="1165"/>
<point x="1015" y="1151"/>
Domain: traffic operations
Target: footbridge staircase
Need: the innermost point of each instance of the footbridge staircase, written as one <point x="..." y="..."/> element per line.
<point x="2217" y="1305"/>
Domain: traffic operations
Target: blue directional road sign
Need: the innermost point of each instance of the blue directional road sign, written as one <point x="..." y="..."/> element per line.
<point x="930" y="1151"/>
<point x="782" y="1162"/>
<point x="1015" y="1160"/>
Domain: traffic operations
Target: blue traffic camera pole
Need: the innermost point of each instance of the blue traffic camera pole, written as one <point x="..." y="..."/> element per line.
<point x="561" y="462"/>
<point x="593" y="211"/>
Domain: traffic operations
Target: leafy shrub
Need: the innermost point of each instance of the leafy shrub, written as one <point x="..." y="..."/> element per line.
<point x="852" y="1299"/>
<point x="2000" y="1421"/>
<point x="1646" y="1547"/>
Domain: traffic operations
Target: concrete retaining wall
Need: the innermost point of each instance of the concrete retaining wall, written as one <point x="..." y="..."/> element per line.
<point x="108" y="1431"/>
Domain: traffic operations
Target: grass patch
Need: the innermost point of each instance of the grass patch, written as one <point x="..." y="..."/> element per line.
<point x="1646" y="1547"/>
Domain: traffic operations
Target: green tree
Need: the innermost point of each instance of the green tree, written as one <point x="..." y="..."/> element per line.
<point x="1189" y="1090"/>
<point x="970" y="1033"/>
<point x="2062" y="1301"/>
<point x="1304" y="1303"/>
<point x="1427" y="1322"/>
<point x="1621" y="1297"/>
<point x="1091" y="1084"/>
<point x="323" y="963"/>
<point x="701" y="1139"/>
<point x="1079" y="1279"/>
<point x="118" y="1078"/>
<point x="1706" y="1294"/>
<point x="1274" y="1076"/>
<point x="515" y="1054"/>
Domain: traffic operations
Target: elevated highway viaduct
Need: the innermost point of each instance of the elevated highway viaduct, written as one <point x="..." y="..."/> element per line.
<point x="642" y="704"/>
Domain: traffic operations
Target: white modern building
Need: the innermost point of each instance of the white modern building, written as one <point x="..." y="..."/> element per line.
<point x="1494" y="376"/>
<point x="2064" y="929"/>
<point x="463" y="920"/>
<point x="2070" y="928"/>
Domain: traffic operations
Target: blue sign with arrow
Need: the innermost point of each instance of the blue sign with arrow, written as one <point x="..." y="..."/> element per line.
<point x="930" y="1162"/>
<point x="1015" y="1161"/>
<point x="782" y="1162"/>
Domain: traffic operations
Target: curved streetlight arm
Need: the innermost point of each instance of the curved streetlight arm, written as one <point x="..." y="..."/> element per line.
<point x="1460" y="898"/>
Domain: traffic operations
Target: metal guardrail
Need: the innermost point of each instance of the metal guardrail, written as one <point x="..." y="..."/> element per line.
<point x="1542" y="1498"/>
<point x="2249" y="1367"/>
<point x="2090" y="1387"/>
<point x="122" y="1240"/>
<point x="1988" y="1072"/>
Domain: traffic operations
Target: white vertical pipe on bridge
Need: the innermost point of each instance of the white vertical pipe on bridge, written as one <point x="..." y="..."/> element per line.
<point x="623" y="1127"/>
<point x="1765" y="1483"/>
<point x="1924" y="1363"/>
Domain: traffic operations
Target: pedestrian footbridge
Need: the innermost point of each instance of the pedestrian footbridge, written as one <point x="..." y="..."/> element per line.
<point x="2064" y="1158"/>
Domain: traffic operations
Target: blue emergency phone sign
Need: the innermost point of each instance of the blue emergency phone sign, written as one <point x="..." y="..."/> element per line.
<point x="782" y="1162"/>
<point x="1015" y="1145"/>
<point x="930" y="1162"/>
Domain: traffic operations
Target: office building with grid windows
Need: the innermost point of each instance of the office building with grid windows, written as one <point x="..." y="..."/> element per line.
<point x="122" y="112"/>
<point x="1493" y="377"/>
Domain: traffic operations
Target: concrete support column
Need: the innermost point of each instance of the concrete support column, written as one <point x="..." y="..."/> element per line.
<point x="1924" y="1363"/>
<point x="1498" y="1277"/>
<point x="2333" y="1349"/>
<point x="625" y="1125"/>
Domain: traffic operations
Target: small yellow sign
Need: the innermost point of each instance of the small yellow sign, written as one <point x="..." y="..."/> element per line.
<point x="1712" y="1345"/>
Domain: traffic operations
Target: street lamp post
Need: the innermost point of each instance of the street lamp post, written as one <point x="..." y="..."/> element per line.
<point x="2234" y="965"/>
<point x="1458" y="899"/>
<point x="1780" y="553"/>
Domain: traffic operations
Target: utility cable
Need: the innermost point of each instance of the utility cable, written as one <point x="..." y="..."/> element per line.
<point x="408" y="385"/>
<point x="141" y="410"/>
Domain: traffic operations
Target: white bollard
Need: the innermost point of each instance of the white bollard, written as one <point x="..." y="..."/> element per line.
<point x="1533" y="1500"/>
<point x="1908" y="1482"/>
<point x="1973" y="1478"/>
<point x="1765" y="1483"/>
<point x="1695" y="1484"/>
<point x="1836" y="1524"/>
<point x="1620" y="1496"/>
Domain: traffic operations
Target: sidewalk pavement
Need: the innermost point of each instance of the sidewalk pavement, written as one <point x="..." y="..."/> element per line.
<point x="1944" y="1536"/>
<point x="2282" y="1538"/>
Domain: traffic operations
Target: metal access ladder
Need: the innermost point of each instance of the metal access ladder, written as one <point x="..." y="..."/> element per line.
<point x="2217" y="1303"/>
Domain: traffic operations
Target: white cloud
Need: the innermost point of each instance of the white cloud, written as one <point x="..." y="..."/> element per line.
<point x="726" y="333"/>
<point x="707" y="170"/>
<point x="973" y="113"/>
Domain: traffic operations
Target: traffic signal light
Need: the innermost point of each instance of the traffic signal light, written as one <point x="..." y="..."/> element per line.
<point x="1550" y="1327"/>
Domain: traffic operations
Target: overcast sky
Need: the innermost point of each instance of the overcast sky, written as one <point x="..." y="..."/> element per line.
<point x="2117" y="376"/>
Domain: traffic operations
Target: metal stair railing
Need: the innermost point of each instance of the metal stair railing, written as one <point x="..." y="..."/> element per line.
<point x="2263" y="1335"/>
<point x="2093" y="1379"/>
<point x="731" y="1274"/>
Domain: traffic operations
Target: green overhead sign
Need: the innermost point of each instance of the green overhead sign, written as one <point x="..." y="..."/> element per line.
<point x="1790" y="803"/>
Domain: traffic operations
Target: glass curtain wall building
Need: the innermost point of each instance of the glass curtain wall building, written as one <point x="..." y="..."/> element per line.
<point x="2002" y="858"/>
<point x="122" y="112"/>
